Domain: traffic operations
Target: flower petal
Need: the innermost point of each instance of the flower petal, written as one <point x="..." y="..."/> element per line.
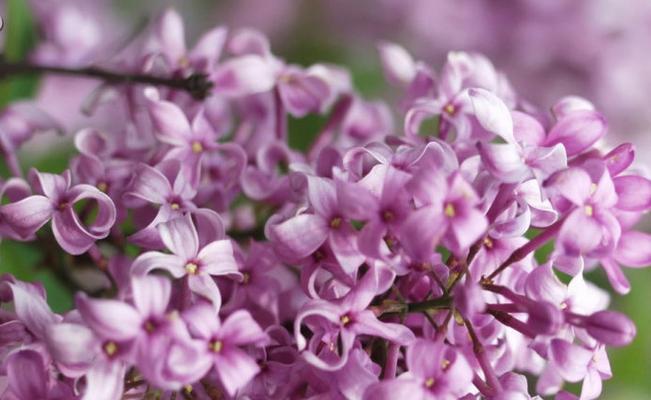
<point x="235" y="369"/>
<point x="301" y="235"/>
<point x="492" y="114"/>
<point x="105" y="381"/>
<point x="151" y="294"/>
<point x="180" y="237"/>
<point x="217" y="258"/>
<point x="242" y="76"/>
<point x="110" y="319"/>
<point x="366" y="323"/>
<point x="398" y="66"/>
<point x="577" y="131"/>
<point x="71" y="235"/>
<point x="27" y="216"/>
<point x="240" y="329"/>
<point x="634" y="249"/>
<point x="633" y="193"/>
<point x="26" y="375"/>
<point x="150" y="184"/>
<point x="152" y="260"/>
<point x="571" y="360"/>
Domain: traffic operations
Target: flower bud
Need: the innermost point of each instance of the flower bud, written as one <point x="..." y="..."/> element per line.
<point x="544" y="318"/>
<point x="611" y="328"/>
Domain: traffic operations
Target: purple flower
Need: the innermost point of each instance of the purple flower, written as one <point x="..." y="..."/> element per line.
<point x="346" y="318"/>
<point x="448" y="214"/>
<point x="55" y="201"/>
<point x="435" y="371"/>
<point x="303" y="234"/>
<point x="223" y="342"/>
<point x="199" y="265"/>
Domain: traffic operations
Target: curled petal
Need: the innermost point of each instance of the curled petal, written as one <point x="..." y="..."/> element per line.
<point x="71" y="235"/>
<point x="152" y="260"/>
<point x="367" y="324"/>
<point x="50" y="185"/>
<point x="106" y="212"/>
<point x="27" y="216"/>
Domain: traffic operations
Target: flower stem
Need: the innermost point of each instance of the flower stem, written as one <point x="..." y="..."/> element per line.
<point x="197" y="85"/>
<point x="529" y="247"/>
<point x="439" y="303"/>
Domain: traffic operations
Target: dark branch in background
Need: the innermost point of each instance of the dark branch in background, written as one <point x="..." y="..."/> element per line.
<point x="197" y="85"/>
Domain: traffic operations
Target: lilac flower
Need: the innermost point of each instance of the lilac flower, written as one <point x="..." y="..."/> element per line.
<point x="28" y="378"/>
<point x="55" y="201"/>
<point x="346" y="318"/>
<point x="448" y="213"/>
<point x="199" y="265"/>
<point x="223" y="340"/>
<point x="144" y="331"/>
<point x="303" y="234"/>
<point x="435" y="371"/>
<point x="404" y="260"/>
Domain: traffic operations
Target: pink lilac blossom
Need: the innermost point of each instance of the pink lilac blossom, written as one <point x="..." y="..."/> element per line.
<point x="384" y="262"/>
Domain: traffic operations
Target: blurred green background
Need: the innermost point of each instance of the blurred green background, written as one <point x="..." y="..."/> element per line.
<point x="630" y="365"/>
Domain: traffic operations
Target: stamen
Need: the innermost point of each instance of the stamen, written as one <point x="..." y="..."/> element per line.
<point x="588" y="210"/>
<point x="197" y="147"/>
<point x="335" y="223"/>
<point x="110" y="348"/>
<point x="102" y="186"/>
<point x="191" y="268"/>
<point x="216" y="346"/>
<point x="388" y="216"/>
<point x="345" y="320"/>
<point x="429" y="382"/>
<point x="449" y="211"/>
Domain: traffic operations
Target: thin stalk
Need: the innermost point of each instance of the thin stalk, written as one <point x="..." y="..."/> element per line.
<point x="197" y="85"/>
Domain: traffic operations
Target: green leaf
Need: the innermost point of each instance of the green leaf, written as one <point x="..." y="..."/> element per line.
<point x="23" y="261"/>
<point x="20" y="37"/>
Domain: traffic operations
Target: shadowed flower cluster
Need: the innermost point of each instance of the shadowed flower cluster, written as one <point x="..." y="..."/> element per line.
<point x="405" y="254"/>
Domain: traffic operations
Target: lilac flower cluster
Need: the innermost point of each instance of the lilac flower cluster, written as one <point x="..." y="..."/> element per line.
<point x="382" y="263"/>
